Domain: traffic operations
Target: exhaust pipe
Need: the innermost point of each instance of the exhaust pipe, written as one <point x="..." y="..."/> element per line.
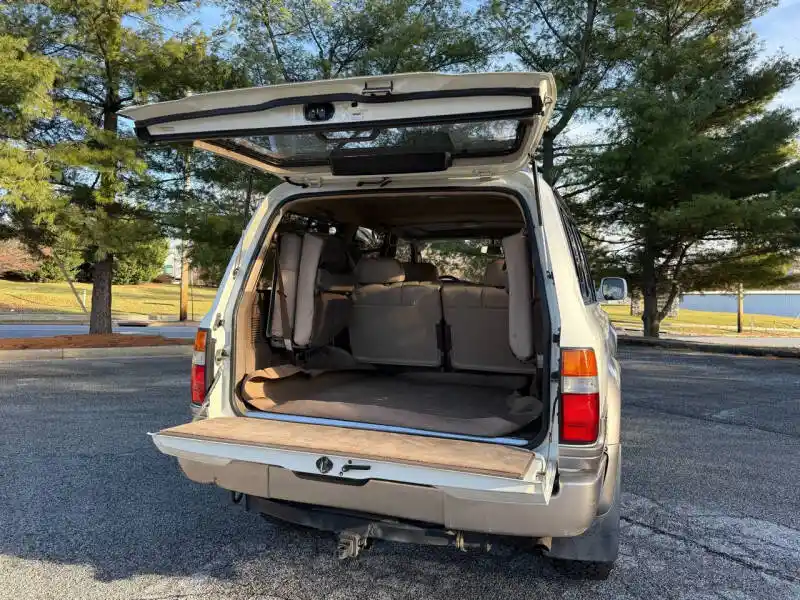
<point x="543" y="543"/>
<point x="463" y="544"/>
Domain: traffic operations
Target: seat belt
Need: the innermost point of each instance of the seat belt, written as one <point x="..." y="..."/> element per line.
<point x="285" y="329"/>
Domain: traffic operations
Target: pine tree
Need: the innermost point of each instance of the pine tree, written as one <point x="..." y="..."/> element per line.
<point x="296" y="40"/>
<point x="107" y="54"/>
<point x="26" y="82"/>
<point x="584" y="44"/>
<point x="699" y="186"/>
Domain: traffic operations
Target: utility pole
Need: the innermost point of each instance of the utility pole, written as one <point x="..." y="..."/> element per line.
<point x="184" y="284"/>
<point x="184" y="301"/>
<point x="740" y="310"/>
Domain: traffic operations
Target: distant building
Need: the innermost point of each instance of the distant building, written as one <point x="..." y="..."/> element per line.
<point x="172" y="264"/>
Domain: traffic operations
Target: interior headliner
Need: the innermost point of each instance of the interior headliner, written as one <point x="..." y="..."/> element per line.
<point x="420" y="215"/>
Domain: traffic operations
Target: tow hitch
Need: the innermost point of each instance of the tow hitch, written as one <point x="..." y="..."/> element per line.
<point x="350" y="545"/>
<point x="356" y="531"/>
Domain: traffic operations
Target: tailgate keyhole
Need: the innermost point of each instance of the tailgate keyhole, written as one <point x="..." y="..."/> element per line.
<point x="324" y="464"/>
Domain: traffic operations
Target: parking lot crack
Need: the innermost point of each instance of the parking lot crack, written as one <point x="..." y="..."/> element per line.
<point x="710" y="419"/>
<point x="738" y="560"/>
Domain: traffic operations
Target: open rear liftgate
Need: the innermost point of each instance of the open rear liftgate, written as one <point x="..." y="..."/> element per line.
<point x="359" y="455"/>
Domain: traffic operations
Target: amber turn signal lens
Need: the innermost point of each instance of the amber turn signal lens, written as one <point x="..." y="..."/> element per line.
<point x="200" y="341"/>
<point x="578" y="362"/>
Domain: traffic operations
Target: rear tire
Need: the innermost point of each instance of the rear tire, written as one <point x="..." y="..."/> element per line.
<point x="583" y="569"/>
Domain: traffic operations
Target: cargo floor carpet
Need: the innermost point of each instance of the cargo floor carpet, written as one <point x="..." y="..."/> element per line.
<point x="453" y="403"/>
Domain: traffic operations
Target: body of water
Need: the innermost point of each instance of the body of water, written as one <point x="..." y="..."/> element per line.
<point x="776" y="304"/>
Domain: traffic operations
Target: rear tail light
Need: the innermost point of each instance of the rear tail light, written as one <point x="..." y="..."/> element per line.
<point x="199" y="368"/>
<point x="580" y="397"/>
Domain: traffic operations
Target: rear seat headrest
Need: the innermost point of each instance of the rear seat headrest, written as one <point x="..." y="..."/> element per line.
<point x="334" y="256"/>
<point x="496" y="274"/>
<point x="379" y="270"/>
<point x="423" y="271"/>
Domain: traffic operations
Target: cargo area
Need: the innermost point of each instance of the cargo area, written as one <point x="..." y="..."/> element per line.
<point x="451" y="403"/>
<point x="352" y="312"/>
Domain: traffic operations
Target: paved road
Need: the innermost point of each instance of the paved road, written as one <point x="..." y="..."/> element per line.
<point x="770" y="342"/>
<point x="9" y="330"/>
<point x="89" y="509"/>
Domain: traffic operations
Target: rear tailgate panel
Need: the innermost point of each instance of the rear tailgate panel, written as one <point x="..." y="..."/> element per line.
<point x="357" y="454"/>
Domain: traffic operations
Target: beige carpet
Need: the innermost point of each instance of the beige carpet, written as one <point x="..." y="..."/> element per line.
<point x="452" y="403"/>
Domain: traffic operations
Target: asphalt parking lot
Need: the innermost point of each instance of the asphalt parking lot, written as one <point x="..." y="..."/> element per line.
<point x="90" y="509"/>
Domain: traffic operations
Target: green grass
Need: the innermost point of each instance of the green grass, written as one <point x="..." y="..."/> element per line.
<point x="162" y="300"/>
<point x="697" y="321"/>
<point x="146" y="299"/>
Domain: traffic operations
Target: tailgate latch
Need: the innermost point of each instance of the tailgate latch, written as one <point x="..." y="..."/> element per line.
<point x="381" y="89"/>
<point x="349" y="466"/>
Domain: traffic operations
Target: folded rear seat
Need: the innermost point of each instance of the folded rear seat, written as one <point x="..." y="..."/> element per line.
<point x="394" y="322"/>
<point x="481" y="334"/>
<point x="317" y="287"/>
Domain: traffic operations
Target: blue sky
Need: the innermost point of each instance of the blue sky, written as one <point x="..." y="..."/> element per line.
<point x="779" y="30"/>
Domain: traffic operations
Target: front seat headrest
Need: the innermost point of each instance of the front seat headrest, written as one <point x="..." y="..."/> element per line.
<point x="423" y="271"/>
<point x="496" y="274"/>
<point x="379" y="270"/>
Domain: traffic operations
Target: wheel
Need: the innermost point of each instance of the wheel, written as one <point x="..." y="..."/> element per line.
<point x="583" y="569"/>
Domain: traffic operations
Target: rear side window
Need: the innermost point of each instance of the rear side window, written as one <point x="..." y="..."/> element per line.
<point x="579" y="259"/>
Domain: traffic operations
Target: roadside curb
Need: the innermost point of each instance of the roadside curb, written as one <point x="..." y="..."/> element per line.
<point x="62" y="353"/>
<point x="139" y="323"/>
<point x="45" y="318"/>
<point x="623" y="340"/>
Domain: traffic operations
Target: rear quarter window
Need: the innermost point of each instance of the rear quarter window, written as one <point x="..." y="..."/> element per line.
<point x="582" y="269"/>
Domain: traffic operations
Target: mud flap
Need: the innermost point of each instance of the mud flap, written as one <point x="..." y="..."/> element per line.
<point x="599" y="543"/>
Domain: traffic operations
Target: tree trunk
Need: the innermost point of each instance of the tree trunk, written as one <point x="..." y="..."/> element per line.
<point x="102" y="270"/>
<point x="100" y="320"/>
<point x="547" y="157"/>
<point x="740" y="309"/>
<point x="650" y="320"/>
<point x="670" y="300"/>
<point x="650" y="317"/>
<point x="183" y="308"/>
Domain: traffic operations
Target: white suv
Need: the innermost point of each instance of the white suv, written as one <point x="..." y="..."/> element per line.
<point x="342" y="388"/>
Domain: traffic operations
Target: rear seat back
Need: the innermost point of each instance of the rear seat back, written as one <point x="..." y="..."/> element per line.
<point x="394" y="322"/>
<point x="520" y="292"/>
<point x="289" y="267"/>
<point x="480" y="320"/>
<point x="317" y="287"/>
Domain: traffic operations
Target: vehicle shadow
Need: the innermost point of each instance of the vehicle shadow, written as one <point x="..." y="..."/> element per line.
<point x="126" y="516"/>
<point x="82" y="485"/>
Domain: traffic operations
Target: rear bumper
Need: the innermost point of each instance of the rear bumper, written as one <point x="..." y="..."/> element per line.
<point x="571" y="509"/>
